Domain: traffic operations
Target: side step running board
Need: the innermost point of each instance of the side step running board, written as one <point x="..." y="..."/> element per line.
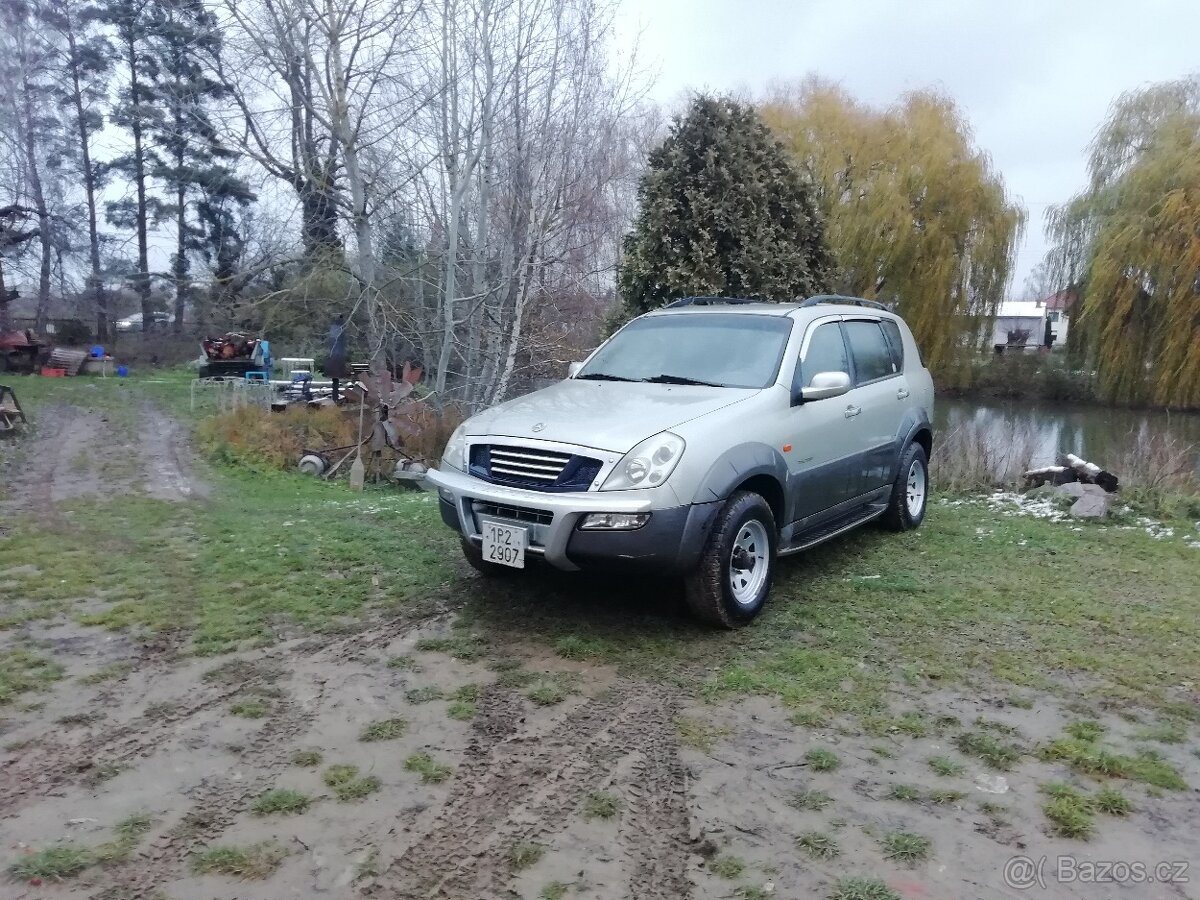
<point x="833" y="529"/>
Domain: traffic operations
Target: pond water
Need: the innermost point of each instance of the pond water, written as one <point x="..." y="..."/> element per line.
<point x="1098" y="434"/>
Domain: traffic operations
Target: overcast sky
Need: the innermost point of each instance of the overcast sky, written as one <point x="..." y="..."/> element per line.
<point x="1035" y="78"/>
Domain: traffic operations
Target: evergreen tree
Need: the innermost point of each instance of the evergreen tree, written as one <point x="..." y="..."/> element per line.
<point x="84" y="64"/>
<point x="191" y="158"/>
<point x="722" y="211"/>
<point x="137" y="110"/>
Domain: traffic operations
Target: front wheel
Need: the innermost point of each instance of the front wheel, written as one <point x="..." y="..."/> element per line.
<point x="910" y="491"/>
<point x="732" y="582"/>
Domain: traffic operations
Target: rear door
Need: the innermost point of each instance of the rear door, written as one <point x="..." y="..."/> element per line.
<point x="878" y="401"/>
<point x="819" y="435"/>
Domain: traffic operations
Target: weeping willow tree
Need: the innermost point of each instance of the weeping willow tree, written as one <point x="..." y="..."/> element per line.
<point x="1131" y="243"/>
<point x="916" y="214"/>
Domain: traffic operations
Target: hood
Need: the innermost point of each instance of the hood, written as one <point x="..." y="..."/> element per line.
<point x="605" y="415"/>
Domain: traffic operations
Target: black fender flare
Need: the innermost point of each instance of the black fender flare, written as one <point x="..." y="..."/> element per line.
<point x="914" y="421"/>
<point x="736" y="465"/>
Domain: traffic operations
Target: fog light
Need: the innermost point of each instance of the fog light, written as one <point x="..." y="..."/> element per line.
<point x="614" y="521"/>
<point x="445" y="495"/>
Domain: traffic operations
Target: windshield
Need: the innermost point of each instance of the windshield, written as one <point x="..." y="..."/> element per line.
<point x="721" y="350"/>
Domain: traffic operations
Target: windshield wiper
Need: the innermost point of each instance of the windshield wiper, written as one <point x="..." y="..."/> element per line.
<point x="601" y="376"/>
<point x="679" y="379"/>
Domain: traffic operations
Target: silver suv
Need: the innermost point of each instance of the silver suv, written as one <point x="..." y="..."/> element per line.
<point x="702" y="440"/>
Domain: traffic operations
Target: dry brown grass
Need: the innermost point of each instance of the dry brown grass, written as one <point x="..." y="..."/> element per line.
<point x="252" y="436"/>
<point x="973" y="458"/>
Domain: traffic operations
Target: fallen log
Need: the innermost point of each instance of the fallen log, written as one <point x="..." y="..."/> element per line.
<point x="1072" y="468"/>
<point x="1090" y="473"/>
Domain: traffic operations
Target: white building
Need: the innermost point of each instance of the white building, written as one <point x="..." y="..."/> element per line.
<point x="1022" y="323"/>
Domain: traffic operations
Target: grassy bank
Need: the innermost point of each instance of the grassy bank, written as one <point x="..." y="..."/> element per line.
<point x="1035" y="377"/>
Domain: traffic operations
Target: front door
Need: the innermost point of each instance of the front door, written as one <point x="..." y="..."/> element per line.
<point x="822" y="447"/>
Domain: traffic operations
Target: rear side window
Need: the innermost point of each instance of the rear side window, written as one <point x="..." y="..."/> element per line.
<point x="826" y="353"/>
<point x="872" y="356"/>
<point x="891" y="331"/>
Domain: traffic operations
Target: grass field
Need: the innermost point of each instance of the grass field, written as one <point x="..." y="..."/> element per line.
<point x="973" y="595"/>
<point x="262" y="674"/>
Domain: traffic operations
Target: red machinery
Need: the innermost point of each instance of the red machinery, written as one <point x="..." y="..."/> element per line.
<point x="233" y="355"/>
<point x="19" y="351"/>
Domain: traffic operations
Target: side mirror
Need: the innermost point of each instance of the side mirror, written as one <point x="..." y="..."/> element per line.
<point x="825" y="385"/>
<point x="573" y="369"/>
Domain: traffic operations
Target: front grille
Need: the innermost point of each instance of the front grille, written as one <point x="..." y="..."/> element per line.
<point x="541" y="465"/>
<point x="533" y="468"/>
<point x="517" y="513"/>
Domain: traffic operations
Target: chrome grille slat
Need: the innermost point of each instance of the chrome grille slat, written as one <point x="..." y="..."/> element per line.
<point x="557" y="459"/>
<point x="524" y="463"/>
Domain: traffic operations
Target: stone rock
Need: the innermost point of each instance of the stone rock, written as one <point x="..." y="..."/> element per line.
<point x="1072" y="489"/>
<point x="1094" y="489"/>
<point x="1091" y="506"/>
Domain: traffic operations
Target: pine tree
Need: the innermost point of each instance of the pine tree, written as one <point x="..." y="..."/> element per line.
<point x="722" y="211"/>
<point x="191" y="157"/>
<point x="84" y="63"/>
<point x="138" y="112"/>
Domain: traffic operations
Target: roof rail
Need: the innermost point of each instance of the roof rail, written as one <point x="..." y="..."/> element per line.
<point x="818" y="299"/>
<point x="710" y="301"/>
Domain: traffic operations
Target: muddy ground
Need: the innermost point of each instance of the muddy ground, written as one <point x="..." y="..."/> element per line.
<point x="710" y="799"/>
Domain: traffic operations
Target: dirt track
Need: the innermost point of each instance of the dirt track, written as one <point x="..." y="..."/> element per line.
<point x="159" y="737"/>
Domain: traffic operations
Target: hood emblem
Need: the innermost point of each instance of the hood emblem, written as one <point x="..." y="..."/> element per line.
<point x="539" y="426"/>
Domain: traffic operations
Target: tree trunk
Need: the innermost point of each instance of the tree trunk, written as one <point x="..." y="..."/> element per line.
<point x="95" y="281"/>
<point x="141" y="280"/>
<point x="180" y="263"/>
<point x="45" y="235"/>
<point x="5" y="321"/>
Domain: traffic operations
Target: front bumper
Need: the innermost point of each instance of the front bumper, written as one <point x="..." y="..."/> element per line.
<point x="669" y="543"/>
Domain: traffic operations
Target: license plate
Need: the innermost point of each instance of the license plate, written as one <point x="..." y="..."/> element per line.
<point x="505" y="544"/>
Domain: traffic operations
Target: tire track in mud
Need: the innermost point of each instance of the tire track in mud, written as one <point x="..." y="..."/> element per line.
<point x="49" y="763"/>
<point x="34" y="774"/>
<point x="524" y="786"/>
<point x="215" y="805"/>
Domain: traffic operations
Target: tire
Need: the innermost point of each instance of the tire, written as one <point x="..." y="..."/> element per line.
<point x="744" y="521"/>
<point x="474" y="556"/>
<point x="903" y="514"/>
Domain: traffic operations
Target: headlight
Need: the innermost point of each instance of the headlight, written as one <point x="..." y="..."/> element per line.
<point x="646" y="465"/>
<point x="455" y="454"/>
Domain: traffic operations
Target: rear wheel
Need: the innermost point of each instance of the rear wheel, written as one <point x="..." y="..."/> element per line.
<point x="910" y="491"/>
<point x="732" y="582"/>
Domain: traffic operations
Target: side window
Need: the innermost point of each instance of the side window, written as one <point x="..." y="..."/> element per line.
<point x="826" y="353"/>
<point x="872" y="356"/>
<point x="891" y="331"/>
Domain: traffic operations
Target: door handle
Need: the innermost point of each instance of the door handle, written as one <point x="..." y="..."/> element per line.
<point x="852" y="411"/>
<point x="902" y="394"/>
